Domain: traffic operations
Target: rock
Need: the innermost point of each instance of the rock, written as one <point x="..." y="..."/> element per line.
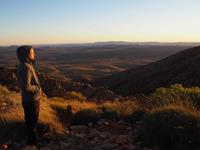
<point x="9" y="142"/>
<point x="135" y="147"/>
<point x="103" y="135"/>
<point x="90" y="124"/>
<point x="111" y="139"/>
<point x="67" y="132"/>
<point x="4" y="147"/>
<point x="81" y="135"/>
<point x="146" y="148"/>
<point x="121" y="122"/>
<point x="108" y="146"/>
<point x="129" y="147"/>
<point x="156" y="148"/>
<point x="92" y="142"/>
<point x="45" y="148"/>
<point x="122" y="139"/>
<point x="57" y="87"/>
<point x="93" y="133"/>
<point x="79" y="128"/>
<point x="102" y="122"/>
<point x="74" y="139"/>
<point x="64" y="145"/>
<point x="97" y="140"/>
<point x="128" y="128"/>
<point x="99" y="137"/>
<point x="139" y="122"/>
<point x="31" y="148"/>
<point x="15" y="144"/>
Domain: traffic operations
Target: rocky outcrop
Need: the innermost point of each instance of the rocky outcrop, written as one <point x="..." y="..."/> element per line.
<point x="54" y="87"/>
<point x="113" y="136"/>
<point x="8" y="77"/>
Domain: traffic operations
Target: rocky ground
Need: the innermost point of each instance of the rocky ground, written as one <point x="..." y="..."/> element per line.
<point x="56" y="87"/>
<point x="105" y="135"/>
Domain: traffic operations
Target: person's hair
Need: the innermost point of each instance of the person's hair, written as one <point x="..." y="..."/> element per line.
<point x="23" y="52"/>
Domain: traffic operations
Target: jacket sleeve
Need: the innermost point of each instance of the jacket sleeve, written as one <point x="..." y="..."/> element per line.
<point x="26" y="81"/>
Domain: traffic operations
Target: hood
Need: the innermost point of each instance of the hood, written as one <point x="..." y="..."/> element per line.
<point x="23" y="54"/>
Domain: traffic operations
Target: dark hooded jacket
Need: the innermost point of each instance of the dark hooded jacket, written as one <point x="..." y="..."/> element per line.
<point x="28" y="80"/>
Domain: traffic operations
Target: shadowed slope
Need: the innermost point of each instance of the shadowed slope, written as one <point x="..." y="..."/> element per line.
<point x="182" y="67"/>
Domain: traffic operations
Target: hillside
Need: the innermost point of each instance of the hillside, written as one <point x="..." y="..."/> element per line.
<point x="65" y="122"/>
<point x="171" y="113"/>
<point x="56" y="87"/>
<point x="182" y="67"/>
<point x="89" y="117"/>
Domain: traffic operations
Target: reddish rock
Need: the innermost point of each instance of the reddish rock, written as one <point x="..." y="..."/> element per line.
<point x="54" y="87"/>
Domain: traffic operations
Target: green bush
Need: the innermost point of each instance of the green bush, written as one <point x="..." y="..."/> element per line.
<point x="171" y="127"/>
<point x="175" y="94"/>
<point x="85" y="116"/>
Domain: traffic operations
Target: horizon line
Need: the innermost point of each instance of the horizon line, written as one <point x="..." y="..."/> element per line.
<point x="98" y="42"/>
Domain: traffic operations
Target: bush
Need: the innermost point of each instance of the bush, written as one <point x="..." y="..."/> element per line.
<point x="85" y="116"/>
<point x="135" y="116"/>
<point x="175" y="94"/>
<point x="171" y="127"/>
<point x="4" y="90"/>
<point x="109" y="114"/>
<point x="124" y="107"/>
<point x="75" y="95"/>
<point x="6" y="99"/>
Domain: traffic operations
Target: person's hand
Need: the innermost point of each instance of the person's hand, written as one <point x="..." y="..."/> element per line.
<point x="43" y="93"/>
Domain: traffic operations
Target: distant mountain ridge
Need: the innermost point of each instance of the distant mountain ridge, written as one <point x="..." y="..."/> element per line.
<point x="182" y="67"/>
<point x="107" y="43"/>
<point x="117" y="43"/>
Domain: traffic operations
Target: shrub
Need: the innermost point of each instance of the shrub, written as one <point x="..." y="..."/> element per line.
<point x="4" y="90"/>
<point x="5" y="97"/>
<point x="109" y="114"/>
<point x="124" y="107"/>
<point x="75" y="95"/>
<point x="135" y="116"/>
<point x="171" y="127"/>
<point x="85" y="116"/>
<point x="175" y="94"/>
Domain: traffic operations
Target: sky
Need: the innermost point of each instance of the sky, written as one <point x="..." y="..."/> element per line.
<point x="84" y="21"/>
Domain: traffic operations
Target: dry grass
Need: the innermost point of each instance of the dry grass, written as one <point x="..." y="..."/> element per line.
<point x="84" y="112"/>
<point x="12" y="116"/>
<point x="122" y="108"/>
<point x="54" y="112"/>
<point x="77" y="105"/>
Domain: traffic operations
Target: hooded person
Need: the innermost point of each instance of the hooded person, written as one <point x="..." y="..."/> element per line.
<point x="30" y="90"/>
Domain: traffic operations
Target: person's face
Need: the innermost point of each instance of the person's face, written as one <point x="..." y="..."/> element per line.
<point x="32" y="54"/>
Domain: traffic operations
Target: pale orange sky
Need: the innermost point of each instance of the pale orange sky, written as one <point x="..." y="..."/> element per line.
<point x="77" y="21"/>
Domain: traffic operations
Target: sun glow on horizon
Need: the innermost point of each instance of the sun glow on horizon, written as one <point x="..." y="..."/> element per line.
<point x="40" y="22"/>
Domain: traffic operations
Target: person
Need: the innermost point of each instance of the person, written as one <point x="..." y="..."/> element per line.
<point x="30" y="91"/>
